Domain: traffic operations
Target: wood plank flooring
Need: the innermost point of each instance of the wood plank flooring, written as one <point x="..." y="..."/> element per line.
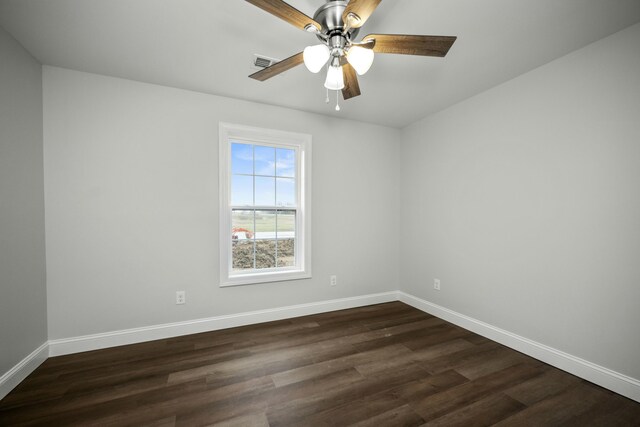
<point x="381" y="365"/>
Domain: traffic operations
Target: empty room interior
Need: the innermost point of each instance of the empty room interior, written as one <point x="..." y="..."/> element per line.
<point x="320" y="212"/>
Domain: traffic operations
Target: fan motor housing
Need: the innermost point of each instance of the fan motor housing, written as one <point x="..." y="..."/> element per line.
<point x="329" y="15"/>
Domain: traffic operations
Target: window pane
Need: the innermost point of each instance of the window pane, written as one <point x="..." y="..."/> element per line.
<point x="286" y="238"/>
<point x="265" y="224"/>
<point x="265" y="239"/>
<point x="242" y="254"/>
<point x="285" y="162"/>
<point x="242" y="225"/>
<point x="286" y="192"/>
<point x="286" y="253"/>
<point x="265" y="254"/>
<point x="286" y="224"/>
<point x="265" y="191"/>
<point x="241" y="158"/>
<point x="265" y="160"/>
<point x="242" y="190"/>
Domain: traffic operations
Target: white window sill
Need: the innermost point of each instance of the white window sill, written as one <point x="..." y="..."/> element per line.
<point x="254" y="278"/>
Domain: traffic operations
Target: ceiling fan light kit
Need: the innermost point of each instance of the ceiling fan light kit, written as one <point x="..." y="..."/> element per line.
<point x="336" y="24"/>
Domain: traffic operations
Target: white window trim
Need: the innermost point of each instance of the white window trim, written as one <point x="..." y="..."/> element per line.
<point x="302" y="143"/>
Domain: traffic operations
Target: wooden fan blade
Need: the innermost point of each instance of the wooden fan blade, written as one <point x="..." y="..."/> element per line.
<point x="351" y="86"/>
<point x="362" y="9"/>
<point x="404" y="44"/>
<point x="278" y="67"/>
<point x="286" y="12"/>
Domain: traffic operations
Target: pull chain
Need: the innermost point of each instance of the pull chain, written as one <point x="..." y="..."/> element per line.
<point x="337" y="100"/>
<point x="327" y="98"/>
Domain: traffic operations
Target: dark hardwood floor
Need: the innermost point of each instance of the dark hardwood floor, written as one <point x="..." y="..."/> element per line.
<point x="381" y="365"/>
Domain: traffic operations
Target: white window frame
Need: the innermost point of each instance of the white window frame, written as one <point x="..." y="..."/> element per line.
<point x="302" y="144"/>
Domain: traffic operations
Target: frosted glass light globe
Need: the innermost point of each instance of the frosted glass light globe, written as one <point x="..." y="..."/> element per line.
<point x="360" y="59"/>
<point x="315" y="57"/>
<point x="335" y="79"/>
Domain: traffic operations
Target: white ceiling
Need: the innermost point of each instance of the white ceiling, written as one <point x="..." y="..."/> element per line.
<point x="207" y="46"/>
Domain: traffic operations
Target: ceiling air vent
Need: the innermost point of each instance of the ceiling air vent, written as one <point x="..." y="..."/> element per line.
<point x="260" y="62"/>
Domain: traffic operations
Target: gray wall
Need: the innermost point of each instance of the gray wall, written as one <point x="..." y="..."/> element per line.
<point x="23" y="306"/>
<point x="525" y="202"/>
<point x="131" y="174"/>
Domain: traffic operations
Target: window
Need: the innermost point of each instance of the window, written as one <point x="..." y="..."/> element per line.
<point x="265" y="191"/>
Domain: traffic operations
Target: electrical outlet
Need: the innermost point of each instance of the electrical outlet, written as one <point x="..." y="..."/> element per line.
<point x="181" y="297"/>
<point x="333" y="280"/>
<point x="436" y="284"/>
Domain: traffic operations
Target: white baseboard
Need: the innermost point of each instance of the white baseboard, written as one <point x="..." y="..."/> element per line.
<point x="607" y="378"/>
<point x="131" y="336"/>
<point x="19" y="372"/>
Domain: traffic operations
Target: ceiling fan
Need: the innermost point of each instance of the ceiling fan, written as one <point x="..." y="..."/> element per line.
<point x="336" y="24"/>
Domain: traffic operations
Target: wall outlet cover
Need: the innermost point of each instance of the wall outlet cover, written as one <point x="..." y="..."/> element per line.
<point x="181" y="297"/>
